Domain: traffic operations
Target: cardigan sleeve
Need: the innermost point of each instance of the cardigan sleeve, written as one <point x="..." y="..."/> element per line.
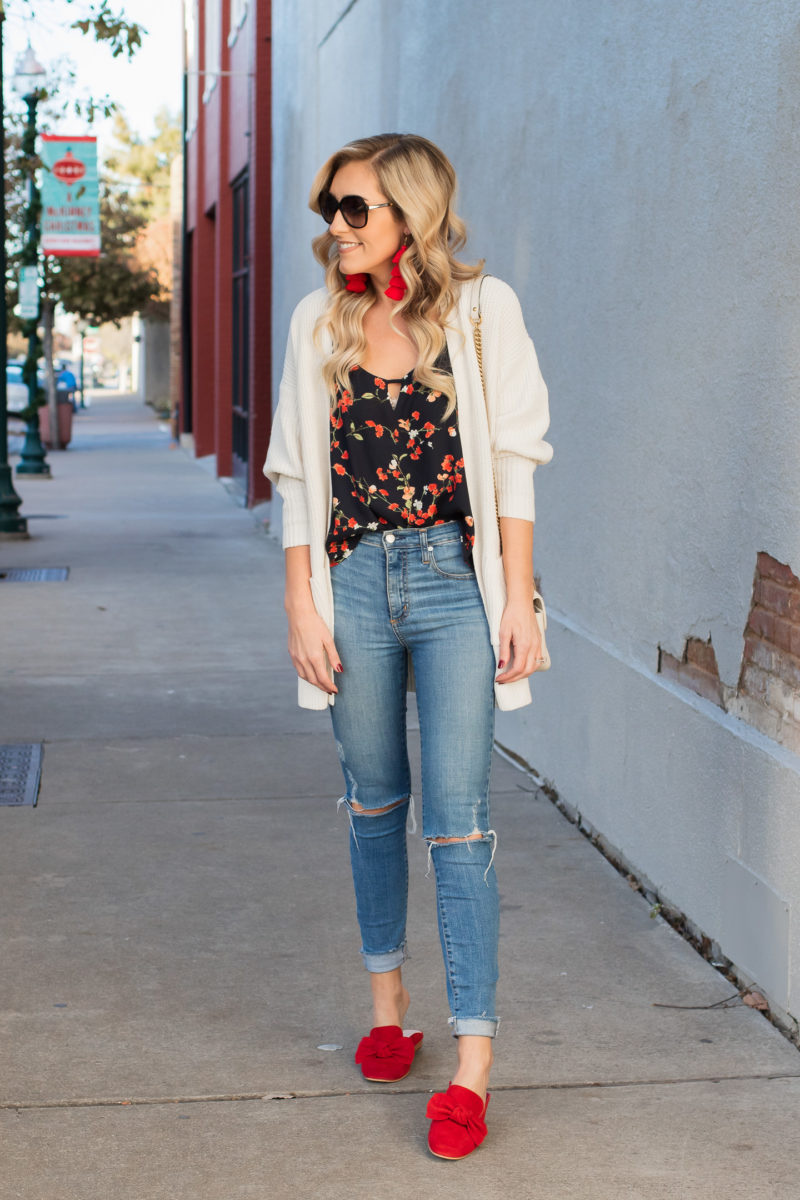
<point x="284" y="464"/>
<point x="516" y="398"/>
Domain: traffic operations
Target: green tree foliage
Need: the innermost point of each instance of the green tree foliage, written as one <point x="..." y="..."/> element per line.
<point x="115" y="285"/>
<point x="104" y="22"/>
<point x="107" y="288"/>
<point x="99" y="19"/>
<point x="134" y="185"/>
<point x="145" y="162"/>
<point x="123" y="36"/>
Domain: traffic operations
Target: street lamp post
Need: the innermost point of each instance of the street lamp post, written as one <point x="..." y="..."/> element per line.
<point x="12" y="525"/>
<point x="82" y="327"/>
<point x="28" y="81"/>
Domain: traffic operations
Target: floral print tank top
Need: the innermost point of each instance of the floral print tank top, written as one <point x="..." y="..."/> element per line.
<point x="395" y="466"/>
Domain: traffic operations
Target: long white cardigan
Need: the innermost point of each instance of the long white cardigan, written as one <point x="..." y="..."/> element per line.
<point x="501" y="437"/>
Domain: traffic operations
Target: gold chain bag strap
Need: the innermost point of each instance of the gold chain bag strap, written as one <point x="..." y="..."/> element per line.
<point x="476" y="317"/>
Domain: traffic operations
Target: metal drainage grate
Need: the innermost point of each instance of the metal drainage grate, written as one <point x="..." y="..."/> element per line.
<point x="20" y="771"/>
<point x="33" y="574"/>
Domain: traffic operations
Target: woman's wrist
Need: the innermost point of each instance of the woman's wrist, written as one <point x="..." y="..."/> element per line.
<point x="517" y="541"/>
<point x="298" y="600"/>
<point x="519" y="592"/>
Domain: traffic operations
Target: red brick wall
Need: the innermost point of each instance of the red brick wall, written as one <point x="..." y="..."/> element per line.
<point x="767" y="694"/>
<point x="233" y="132"/>
<point x="222" y="265"/>
<point x="261" y="255"/>
<point x="697" y="669"/>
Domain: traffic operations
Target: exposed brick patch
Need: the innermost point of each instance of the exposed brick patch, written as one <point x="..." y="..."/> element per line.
<point x="697" y="669"/>
<point x="767" y="694"/>
<point x="768" y="567"/>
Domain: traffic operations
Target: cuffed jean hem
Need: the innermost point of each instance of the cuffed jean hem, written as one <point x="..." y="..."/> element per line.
<point x="377" y="964"/>
<point x="473" y="1026"/>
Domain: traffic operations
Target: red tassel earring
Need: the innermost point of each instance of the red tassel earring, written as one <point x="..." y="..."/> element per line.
<point x="356" y="282"/>
<point x="397" y="285"/>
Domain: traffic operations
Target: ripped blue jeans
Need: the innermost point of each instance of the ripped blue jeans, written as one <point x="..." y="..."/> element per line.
<point x="409" y="592"/>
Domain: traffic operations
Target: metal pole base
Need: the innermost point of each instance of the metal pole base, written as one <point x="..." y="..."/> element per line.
<point x="12" y="525"/>
<point x="33" y="461"/>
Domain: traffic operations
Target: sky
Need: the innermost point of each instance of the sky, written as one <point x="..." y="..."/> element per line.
<point x="152" y="79"/>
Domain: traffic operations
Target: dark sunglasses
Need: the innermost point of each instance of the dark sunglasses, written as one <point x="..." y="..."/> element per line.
<point x="354" y="209"/>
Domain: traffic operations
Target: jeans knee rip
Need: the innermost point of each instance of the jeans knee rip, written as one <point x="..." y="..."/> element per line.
<point x="350" y="804"/>
<point x="477" y="836"/>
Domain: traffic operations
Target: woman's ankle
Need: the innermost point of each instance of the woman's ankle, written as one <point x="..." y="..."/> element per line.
<point x="390" y="999"/>
<point x="475" y="1059"/>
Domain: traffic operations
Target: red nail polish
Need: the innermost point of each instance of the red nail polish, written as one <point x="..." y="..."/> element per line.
<point x="501" y="664"/>
<point x="339" y="667"/>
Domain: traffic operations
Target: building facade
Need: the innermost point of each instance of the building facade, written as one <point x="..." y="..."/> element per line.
<point x="631" y="170"/>
<point x="226" y="351"/>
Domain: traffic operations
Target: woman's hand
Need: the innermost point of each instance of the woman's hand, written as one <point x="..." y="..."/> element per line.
<point x="311" y="646"/>
<point x="311" y="649"/>
<point x="520" y="641"/>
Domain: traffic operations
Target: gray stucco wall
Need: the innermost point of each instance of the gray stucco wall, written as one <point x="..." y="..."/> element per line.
<point x="154" y="363"/>
<point x="632" y="169"/>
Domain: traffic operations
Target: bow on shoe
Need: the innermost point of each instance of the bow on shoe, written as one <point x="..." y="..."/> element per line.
<point x="457" y="1122"/>
<point x="390" y="1045"/>
<point x="442" y="1108"/>
<point x="386" y="1054"/>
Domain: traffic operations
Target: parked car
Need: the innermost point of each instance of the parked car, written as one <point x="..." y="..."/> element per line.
<point x="16" y="389"/>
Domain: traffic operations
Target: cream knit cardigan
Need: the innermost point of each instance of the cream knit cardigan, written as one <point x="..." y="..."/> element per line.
<point x="501" y="437"/>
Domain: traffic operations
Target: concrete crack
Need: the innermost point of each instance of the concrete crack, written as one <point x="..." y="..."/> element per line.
<point x="334" y="1093"/>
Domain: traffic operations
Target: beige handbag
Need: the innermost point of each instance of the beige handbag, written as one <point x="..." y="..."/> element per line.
<point x="538" y="603"/>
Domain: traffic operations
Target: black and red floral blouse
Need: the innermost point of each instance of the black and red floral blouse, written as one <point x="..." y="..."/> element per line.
<point x="398" y="466"/>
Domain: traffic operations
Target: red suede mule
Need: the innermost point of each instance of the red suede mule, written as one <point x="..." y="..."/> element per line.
<point x="387" y="1054"/>
<point x="457" y="1122"/>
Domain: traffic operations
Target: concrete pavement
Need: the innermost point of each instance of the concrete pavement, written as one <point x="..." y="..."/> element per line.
<point x="178" y="926"/>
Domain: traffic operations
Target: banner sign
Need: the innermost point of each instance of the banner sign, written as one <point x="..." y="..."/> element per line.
<point x="70" y="199"/>
<point x="28" y="293"/>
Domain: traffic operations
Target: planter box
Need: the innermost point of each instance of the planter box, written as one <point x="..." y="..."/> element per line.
<point x="64" y="424"/>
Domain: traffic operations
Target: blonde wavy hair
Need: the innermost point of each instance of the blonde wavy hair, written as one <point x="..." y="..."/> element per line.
<point x="420" y="182"/>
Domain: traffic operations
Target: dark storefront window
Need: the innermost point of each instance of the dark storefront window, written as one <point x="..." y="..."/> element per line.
<point x="241" y="326"/>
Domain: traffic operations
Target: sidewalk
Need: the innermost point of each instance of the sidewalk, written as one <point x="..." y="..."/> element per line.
<point x="179" y="936"/>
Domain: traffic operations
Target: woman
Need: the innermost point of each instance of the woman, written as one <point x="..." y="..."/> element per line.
<point x="387" y="456"/>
